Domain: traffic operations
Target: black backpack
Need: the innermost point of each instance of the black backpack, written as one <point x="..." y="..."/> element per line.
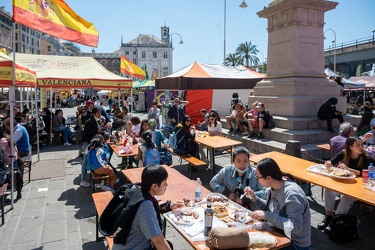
<point x="343" y="228"/>
<point x="117" y="218"/>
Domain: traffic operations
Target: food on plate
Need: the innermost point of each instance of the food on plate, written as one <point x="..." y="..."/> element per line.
<point x="188" y="202"/>
<point x="261" y="240"/>
<point x="341" y="173"/>
<point x="234" y="213"/>
<point x="186" y="217"/>
<point x="217" y="198"/>
<point x="190" y="213"/>
<point x="220" y="211"/>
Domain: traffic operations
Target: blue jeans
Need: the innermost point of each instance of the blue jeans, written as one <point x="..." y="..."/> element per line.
<point x="66" y="132"/>
<point x="84" y="161"/>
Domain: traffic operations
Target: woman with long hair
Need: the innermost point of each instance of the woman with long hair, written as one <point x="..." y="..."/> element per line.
<point x="365" y="123"/>
<point x="214" y="128"/>
<point x="286" y="204"/>
<point x="185" y="140"/>
<point x="144" y="127"/>
<point x="353" y="158"/>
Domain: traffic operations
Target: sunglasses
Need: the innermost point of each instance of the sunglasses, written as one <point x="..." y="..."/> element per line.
<point x="212" y="119"/>
<point x="188" y="120"/>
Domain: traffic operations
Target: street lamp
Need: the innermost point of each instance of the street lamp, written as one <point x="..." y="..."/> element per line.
<point x="373" y="31"/>
<point x="242" y="5"/>
<point x="334" y="49"/>
<point x="181" y="42"/>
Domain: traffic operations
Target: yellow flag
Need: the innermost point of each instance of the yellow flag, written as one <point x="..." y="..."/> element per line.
<point x="129" y="68"/>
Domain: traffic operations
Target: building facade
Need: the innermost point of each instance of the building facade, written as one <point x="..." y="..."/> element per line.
<point x="5" y="30"/>
<point x="149" y="51"/>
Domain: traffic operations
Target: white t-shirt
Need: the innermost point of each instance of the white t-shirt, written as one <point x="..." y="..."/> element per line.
<point x="216" y="130"/>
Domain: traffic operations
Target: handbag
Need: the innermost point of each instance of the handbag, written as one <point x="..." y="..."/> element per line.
<point x="343" y="228"/>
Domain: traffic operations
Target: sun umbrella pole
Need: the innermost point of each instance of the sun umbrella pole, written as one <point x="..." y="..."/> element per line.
<point x="131" y="102"/>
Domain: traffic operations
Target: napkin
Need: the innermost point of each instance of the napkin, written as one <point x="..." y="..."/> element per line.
<point x="194" y="230"/>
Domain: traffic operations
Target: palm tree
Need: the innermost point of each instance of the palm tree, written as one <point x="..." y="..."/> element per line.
<point x="248" y="52"/>
<point x="232" y="59"/>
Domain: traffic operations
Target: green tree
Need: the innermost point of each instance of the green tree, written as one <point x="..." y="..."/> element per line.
<point x="248" y="53"/>
<point x="232" y="59"/>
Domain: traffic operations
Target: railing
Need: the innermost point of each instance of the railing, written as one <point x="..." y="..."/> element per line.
<point x="356" y="42"/>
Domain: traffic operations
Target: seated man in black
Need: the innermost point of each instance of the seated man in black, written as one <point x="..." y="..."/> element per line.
<point x="328" y="112"/>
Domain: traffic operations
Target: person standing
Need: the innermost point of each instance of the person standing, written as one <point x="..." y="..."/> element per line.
<point x="175" y="113"/>
<point x="130" y="103"/>
<point x="154" y="113"/>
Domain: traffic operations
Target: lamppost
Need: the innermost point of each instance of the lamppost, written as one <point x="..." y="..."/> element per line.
<point x="181" y="42"/>
<point x="334" y="49"/>
<point x="171" y="51"/>
<point x="242" y="5"/>
<point x="373" y="31"/>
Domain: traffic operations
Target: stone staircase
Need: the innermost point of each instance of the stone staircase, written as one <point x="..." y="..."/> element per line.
<point x="309" y="131"/>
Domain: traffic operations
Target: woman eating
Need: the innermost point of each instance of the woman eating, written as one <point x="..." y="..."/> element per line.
<point x="286" y="206"/>
<point x="232" y="180"/>
<point x="354" y="159"/>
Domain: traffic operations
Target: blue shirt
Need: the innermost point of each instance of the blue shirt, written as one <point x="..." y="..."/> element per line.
<point x="157" y="138"/>
<point x="22" y="139"/>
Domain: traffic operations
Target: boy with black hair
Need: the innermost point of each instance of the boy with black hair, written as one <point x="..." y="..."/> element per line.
<point x="146" y="230"/>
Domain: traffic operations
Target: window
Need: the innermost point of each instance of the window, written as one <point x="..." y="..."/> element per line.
<point x="165" y="54"/>
<point x="16" y="36"/>
<point x="143" y="54"/>
<point x="154" y="54"/>
<point x="127" y="52"/>
<point x="115" y="64"/>
<point x="134" y="52"/>
<point x="32" y="42"/>
<point x="27" y="39"/>
<point x="135" y="60"/>
<point x="32" y="50"/>
<point x="104" y="63"/>
<point x="23" y="37"/>
<point x="165" y="68"/>
<point x="23" y="48"/>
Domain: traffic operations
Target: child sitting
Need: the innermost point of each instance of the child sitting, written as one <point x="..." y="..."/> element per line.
<point x="99" y="166"/>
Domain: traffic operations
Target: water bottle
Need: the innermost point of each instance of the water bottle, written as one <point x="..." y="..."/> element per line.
<point x="198" y="190"/>
<point x="371" y="174"/>
<point x="208" y="218"/>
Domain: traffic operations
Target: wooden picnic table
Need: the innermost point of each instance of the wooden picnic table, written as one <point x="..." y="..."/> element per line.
<point x="126" y="158"/>
<point x="298" y="168"/>
<point x="324" y="146"/>
<point x="179" y="187"/>
<point x="213" y="142"/>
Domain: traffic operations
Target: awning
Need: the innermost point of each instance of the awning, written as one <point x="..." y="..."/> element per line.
<point x="72" y="72"/>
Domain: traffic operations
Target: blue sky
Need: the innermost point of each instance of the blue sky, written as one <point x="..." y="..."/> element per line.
<point x="201" y="24"/>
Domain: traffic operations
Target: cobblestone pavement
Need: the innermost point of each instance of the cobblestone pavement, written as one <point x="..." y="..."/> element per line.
<point x="56" y="213"/>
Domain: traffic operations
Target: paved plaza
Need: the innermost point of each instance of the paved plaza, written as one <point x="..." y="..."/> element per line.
<point x="56" y="213"/>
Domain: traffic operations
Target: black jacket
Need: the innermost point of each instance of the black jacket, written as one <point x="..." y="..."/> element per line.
<point x="90" y="129"/>
<point x="326" y="108"/>
<point x="186" y="135"/>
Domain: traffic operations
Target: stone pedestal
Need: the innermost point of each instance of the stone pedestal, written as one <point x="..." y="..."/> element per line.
<point x="296" y="84"/>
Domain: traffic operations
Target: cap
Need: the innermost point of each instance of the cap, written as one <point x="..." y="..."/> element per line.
<point x="152" y="124"/>
<point x="89" y="102"/>
<point x="260" y="105"/>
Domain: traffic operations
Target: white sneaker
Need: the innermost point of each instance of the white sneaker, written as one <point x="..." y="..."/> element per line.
<point x="73" y="139"/>
<point x="67" y="144"/>
<point x="84" y="183"/>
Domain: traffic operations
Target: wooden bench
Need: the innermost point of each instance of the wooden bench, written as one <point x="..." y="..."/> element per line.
<point x="3" y="188"/>
<point x="193" y="161"/>
<point x="101" y="201"/>
<point x="97" y="179"/>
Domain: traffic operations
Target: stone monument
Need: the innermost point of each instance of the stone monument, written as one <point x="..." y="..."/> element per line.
<point x="296" y="85"/>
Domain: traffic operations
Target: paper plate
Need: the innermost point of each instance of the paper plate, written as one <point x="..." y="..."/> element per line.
<point x="183" y="218"/>
<point x="342" y="177"/>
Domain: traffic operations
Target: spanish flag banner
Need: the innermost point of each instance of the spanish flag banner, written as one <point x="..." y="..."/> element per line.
<point x="55" y="18"/>
<point x="129" y="68"/>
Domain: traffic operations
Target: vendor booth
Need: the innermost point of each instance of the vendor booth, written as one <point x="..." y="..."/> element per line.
<point x="210" y="86"/>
